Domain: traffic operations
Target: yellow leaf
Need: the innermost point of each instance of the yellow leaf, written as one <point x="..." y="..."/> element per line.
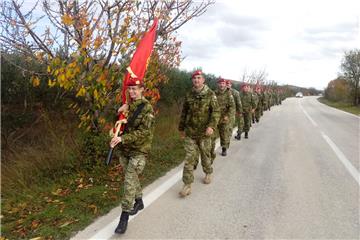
<point x="37" y="238"/>
<point x="35" y="81"/>
<point x="81" y="92"/>
<point x="68" y="74"/>
<point x="94" y="207"/>
<point x="87" y="60"/>
<point x="97" y="43"/>
<point x="96" y="94"/>
<point x="67" y="20"/>
<point x="102" y="120"/>
<point x="67" y="223"/>
<point x="51" y="83"/>
<point x="48" y="69"/>
<point x="61" y="77"/>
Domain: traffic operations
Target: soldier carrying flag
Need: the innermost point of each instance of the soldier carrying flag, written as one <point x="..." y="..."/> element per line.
<point x="136" y="137"/>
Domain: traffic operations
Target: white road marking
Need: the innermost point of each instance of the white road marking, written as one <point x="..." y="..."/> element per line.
<point x="351" y="169"/>
<point x="308" y="116"/>
<point x="108" y="231"/>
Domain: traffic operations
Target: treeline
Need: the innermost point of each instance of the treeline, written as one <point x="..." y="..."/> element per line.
<point x="345" y="88"/>
<point x="19" y="88"/>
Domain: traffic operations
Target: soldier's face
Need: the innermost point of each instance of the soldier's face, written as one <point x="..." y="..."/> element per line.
<point x="198" y="81"/>
<point x="135" y="92"/>
<point x="222" y="85"/>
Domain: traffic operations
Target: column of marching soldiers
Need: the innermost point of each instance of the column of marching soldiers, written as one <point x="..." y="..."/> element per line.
<point x="208" y="114"/>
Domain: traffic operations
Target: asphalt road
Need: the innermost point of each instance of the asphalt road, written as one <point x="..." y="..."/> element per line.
<point x="297" y="176"/>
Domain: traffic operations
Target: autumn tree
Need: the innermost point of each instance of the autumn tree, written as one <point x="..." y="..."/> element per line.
<point x="350" y="67"/>
<point x="337" y="90"/>
<point x="86" y="45"/>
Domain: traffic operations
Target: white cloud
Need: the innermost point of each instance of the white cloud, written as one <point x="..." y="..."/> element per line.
<point x="297" y="42"/>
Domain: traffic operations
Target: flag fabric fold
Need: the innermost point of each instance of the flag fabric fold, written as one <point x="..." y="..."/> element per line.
<point x="139" y="61"/>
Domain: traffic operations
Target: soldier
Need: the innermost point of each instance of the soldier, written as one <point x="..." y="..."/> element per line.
<point x="199" y="118"/>
<point x="227" y="113"/>
<point x="135" y="144"/>
<point x="248" y="106"/>
<point x="258" y="110"/>
<point x="239" y="120"/>
<point x="268" y="99"/>
<point x="256" y="103"/>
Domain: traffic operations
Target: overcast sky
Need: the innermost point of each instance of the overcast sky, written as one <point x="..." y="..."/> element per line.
<point x="298" y="42"/>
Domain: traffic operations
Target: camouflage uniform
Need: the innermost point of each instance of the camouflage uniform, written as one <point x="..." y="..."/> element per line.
<point x="268" y="100"/>
<point x="134" y="147"/>
<point x="263" y="102"/>
<point x="258" y="110"/>
<point x="200" y="111"/>
<point x="248" y="104"/>
<point x="256" y="104"/>
<point x="227" y="109"/>
<point x="239" y="120"/>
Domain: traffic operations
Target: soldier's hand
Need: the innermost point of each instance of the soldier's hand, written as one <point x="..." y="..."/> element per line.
<point x="226" y="118"/>
<point x="209" y="131"/>
<point x="182" y="134"/>
<point x="115" y="141"/>
<point x="123" y="108"/>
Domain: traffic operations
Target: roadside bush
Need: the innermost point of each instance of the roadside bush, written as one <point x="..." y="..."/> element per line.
<point x="338" y="90"/>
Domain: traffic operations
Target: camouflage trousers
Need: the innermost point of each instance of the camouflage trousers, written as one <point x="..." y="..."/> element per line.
<point x="239" y="121"/>
<point x="268" y="105"/>
<point x="225" y="130"/>
<point x="194" y="148"/>
<point x="133" y="166"/>
<point x="258" y="113"/>
<point x="247" y="121"/>
<point x="253" y="117"/>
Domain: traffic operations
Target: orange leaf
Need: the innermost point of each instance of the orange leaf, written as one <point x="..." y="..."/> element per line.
<point x="67" y="20"/>
<point x="35" y="224"/>
<point x="35" y="81"/>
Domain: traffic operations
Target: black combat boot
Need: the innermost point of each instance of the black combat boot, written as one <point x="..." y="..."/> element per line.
<point x="121" y="227"/>
<point x="253" y="120"/>
<point x="238" y="136"/>
<point x="246" y="135"/>
<point x="223" y="153"/>
<point x="138" y="205"/>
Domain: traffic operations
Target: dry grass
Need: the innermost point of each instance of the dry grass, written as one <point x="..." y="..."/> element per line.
<point x="38" y="149"/>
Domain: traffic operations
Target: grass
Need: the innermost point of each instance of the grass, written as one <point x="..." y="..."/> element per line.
<point x="344" y="106"/>
<point x="47" y="193"/>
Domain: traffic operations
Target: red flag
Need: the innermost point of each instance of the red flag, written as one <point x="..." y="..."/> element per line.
<point x="140" y="58"/>
<point x="138" y="63"/>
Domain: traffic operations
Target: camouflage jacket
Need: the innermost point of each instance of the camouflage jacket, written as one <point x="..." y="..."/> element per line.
<point x="255" y="99"/>
<point x="226" y="105"/>
<point x="236" y="95"/>
<point x="261" y="99"/>
<point x="247" y="101"/>
<point x="200" y="111"/>
<point x="138" y="137"/>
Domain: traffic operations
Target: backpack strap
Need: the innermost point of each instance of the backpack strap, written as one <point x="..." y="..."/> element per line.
<point x="131" y="120"/>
